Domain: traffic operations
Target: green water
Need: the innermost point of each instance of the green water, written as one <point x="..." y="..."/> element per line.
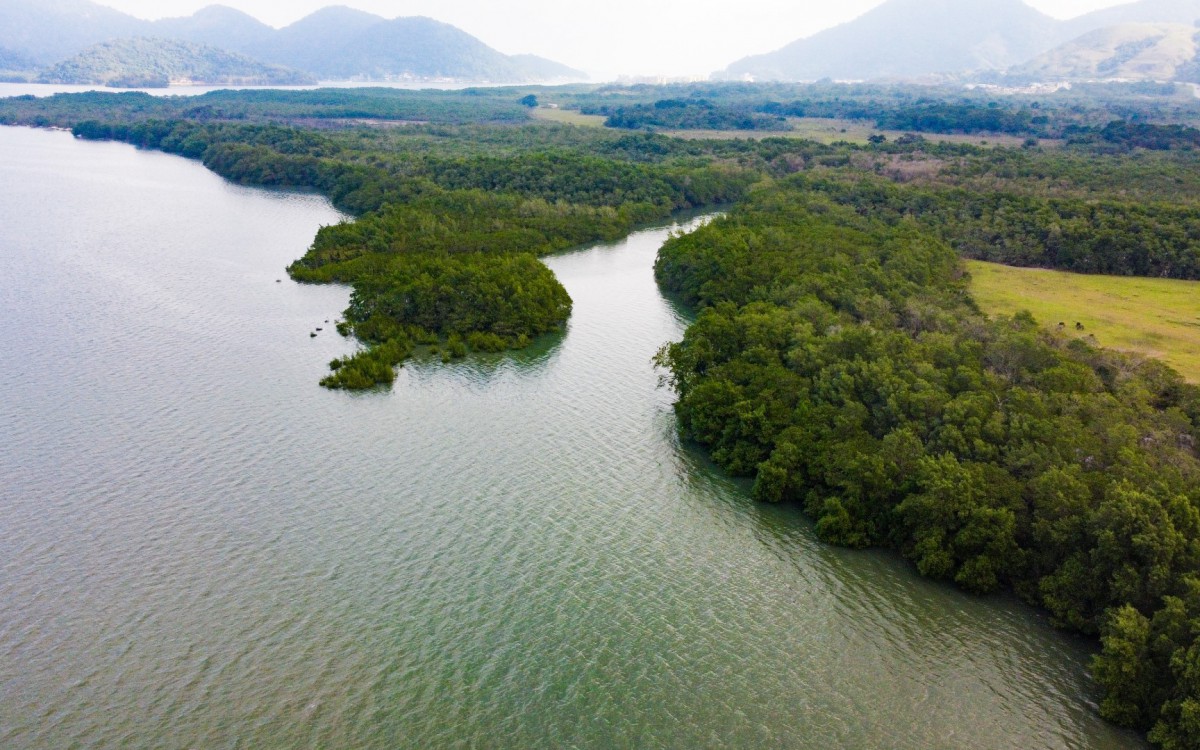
<point x="200" y="548"/>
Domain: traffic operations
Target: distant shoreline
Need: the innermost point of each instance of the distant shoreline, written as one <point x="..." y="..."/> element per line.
<point x="12" y="88"/>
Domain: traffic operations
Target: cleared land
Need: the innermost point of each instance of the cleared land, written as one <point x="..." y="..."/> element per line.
<point x="823" y="130"/>
<point x="826" y="130"/>
<point x="568" y="116"/>
<point x="1156" y="317"/>
<point x="817" y="129"/>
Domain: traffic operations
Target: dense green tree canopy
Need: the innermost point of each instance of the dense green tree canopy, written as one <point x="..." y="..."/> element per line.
<point x="838" y="359"/>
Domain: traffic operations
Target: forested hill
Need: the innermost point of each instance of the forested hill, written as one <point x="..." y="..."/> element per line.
<point x="217" y="26"/>
<point x="48" y="32"/>
<point x="333" y="43"/>
<point x="159" y="62"/>
<point x="417" y="47"/>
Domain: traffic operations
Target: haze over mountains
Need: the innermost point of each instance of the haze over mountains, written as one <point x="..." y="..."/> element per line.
<point x="962" y="40"/>
<point x="914" y="39"/>
<point x="334" y="43"/>
<point x="1128" y="51"/>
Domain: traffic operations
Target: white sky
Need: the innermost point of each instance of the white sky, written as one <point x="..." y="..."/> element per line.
<point x="659" y="37"/>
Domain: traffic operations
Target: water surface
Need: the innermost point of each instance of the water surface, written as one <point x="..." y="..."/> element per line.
<point x="49" y="89"/>
<point x="201" y="548"/>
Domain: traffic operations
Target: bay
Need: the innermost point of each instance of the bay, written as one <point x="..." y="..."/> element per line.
<point x="199" y="547"/>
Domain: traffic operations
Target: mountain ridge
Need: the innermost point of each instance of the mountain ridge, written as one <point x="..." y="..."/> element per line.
<point x="912" y="39"/>
<point x="217" y="26"/>
<point x="332" y="43"/>
<point x="1142" y="11"/>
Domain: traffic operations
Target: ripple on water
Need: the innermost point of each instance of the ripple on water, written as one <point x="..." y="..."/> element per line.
<point x="201" y="548"/>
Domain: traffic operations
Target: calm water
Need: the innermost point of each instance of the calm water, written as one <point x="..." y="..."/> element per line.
<point x="200" y="548"/>
<point x="49" y="89"/>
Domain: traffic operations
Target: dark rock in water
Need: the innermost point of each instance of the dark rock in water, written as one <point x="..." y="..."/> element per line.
<point x="312" y="335"/>
<point x="320" y="329"/>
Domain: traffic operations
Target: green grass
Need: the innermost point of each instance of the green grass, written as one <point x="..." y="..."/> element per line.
<point x="1154" y="317"/>
<point x="809" y="129"/>
<point x="568" y="117"/>
<point x="824" y="130"/>
<point x="816" y="129"/>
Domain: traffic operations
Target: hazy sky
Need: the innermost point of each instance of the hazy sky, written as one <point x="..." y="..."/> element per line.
<point x="673" y="37"/>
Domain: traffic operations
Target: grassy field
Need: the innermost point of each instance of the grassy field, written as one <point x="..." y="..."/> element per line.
<point x="1155" y="317"/>
<point x="828" y="131"/>
<point x="568" y="116"/>
<point x="809" y="128"/>
<point x="856" y="131"/>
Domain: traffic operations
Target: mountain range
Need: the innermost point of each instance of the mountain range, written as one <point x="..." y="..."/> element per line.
<point x="333" y="43"/>
<point x="81" y="41"/>
<point x="915" y="39"/>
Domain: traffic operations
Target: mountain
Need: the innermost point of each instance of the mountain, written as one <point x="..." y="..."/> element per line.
<point x="1130" y="51"/>
<point x="159" y="62"/>
<point x="416" y="48"/>
<point x="911" y="38"/>
<point x="46" y="31"/>
<point x="335" y="42"/>
<point x="343" y="43"/>
<point x="1145" y="11"/>
<point x="218" y="26"/>
<point x="319" y="36"/>
<point x="340" y="42"/>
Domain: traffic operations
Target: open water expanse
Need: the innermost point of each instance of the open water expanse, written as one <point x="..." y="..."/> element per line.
<point x="201" y="548"/>
<point x="50" y="89"/>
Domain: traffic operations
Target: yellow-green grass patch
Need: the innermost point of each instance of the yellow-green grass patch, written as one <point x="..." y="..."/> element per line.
<point x="568" y="117"/>
<point x="821" y="130"/>
<point x="1154" y="317"/>
<point x="827" y="130"/>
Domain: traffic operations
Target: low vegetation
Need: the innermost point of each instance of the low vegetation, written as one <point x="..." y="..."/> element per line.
<point x="1157" y="318"/>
